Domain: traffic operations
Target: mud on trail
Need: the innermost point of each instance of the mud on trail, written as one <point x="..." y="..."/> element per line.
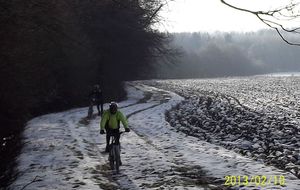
<point x="65" y="154"/>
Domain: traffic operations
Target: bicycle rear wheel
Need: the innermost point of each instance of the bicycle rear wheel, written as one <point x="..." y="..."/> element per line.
<point x="90" y="111"/>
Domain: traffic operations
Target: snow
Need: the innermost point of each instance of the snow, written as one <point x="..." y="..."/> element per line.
<point x="234" y="115"/>
<point x="64" y="154"/>
<point x="283" y="74"/>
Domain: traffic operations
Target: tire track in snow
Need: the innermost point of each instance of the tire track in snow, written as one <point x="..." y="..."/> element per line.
<point x="154" y="155"/>
<point x="150" y="169"/>
<point x="59" y="153"/>
<point x="153" y="167"/>
<point x="199" y="153"/>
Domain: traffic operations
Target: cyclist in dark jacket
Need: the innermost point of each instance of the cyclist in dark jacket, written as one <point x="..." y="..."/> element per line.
<point x="96" y="98"/>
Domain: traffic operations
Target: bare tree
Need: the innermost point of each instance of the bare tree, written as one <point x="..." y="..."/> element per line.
<point x="281" y="19"/>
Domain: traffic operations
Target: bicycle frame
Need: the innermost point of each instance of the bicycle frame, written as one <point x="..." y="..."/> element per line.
<point x="114" y="154"/>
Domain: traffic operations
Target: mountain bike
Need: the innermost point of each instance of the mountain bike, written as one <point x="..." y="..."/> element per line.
<point x="114" y="156"/>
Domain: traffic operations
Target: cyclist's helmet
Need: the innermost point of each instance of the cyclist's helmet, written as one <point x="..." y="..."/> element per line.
<point x="113" y="107"/>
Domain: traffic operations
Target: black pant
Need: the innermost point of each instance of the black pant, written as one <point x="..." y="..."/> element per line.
<point x="98" y="103"/>
<point x="112" y="132"/>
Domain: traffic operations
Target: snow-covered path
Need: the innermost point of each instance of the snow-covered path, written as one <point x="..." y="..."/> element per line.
<point x="61" y="153"/>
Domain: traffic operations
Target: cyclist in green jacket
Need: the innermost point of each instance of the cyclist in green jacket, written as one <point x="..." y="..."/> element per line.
<point x="110" y="121"/>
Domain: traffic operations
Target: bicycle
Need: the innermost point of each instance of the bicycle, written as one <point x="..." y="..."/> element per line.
<point x="114" y="156"/>
<point x="91" y="110"/>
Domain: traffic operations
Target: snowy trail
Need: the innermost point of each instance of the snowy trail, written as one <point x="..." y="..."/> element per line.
<point x="61" y="153"/>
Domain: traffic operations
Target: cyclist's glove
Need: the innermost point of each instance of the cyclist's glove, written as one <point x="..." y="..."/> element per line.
<point x="102" y="131"/>
<point x="127" y="130"/>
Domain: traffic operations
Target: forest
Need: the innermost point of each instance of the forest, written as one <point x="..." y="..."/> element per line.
<point x="220" y="54"/>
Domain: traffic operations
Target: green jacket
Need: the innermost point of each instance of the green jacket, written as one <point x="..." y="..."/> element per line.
<point x="113" y="120"/>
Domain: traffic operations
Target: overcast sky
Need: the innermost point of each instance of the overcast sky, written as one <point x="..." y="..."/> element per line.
<point x="212" y="15"/>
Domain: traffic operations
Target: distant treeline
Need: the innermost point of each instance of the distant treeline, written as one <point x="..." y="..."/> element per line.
<point x="230" y="54"/>
<point x="53" y="52"/>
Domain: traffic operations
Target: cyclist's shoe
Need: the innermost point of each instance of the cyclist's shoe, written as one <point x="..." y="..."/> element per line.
<point x="107" y="149"/>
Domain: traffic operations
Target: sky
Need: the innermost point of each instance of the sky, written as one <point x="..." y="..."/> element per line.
<point x="212" y="15"/>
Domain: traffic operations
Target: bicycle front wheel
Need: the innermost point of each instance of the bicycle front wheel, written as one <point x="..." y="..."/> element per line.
<point x="117" y="157"/>
<point x="111" y="159"/>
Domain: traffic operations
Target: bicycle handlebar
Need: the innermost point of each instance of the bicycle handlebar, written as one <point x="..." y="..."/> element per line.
<point x="120" y="132"/>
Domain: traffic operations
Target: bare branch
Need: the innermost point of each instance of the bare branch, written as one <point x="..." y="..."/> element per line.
<point x="274" y="18"/>
<point x="155" y="13"/>
<point x="33" y="181"/>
